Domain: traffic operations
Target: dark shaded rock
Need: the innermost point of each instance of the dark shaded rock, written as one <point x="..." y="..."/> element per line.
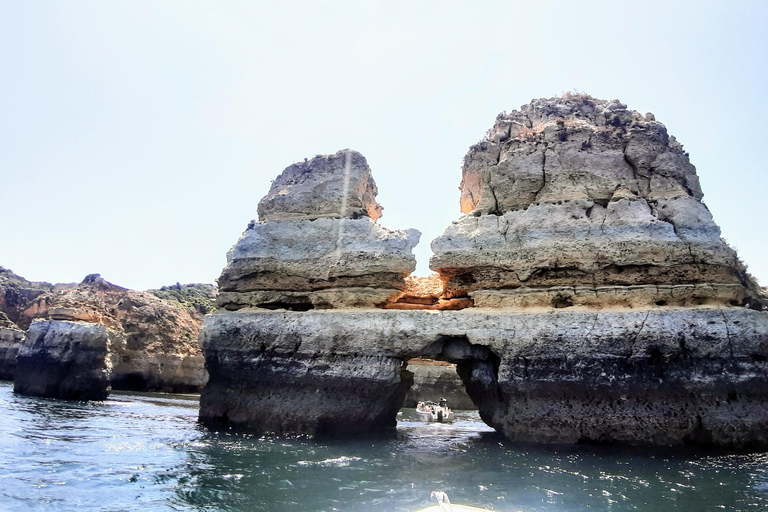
<point x="11" y="338"/>
<point x="69" y="360"/>
<point x="654" y="377"/>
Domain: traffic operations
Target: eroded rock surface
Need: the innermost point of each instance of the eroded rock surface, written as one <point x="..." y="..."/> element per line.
<point x="11" y="338"/>
<point x="337" y="186"/>
<point x="605" y="308"/>
<point x="318" y="244"/>
<point x="158" y="348"/>
<point x="17" y="293"/>
<point x="656" y="376"/>
<point x="579" y="201"/>
<point x="63" y="359"/>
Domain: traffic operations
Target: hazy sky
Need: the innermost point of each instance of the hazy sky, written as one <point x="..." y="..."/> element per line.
<point x="136" y="138"/>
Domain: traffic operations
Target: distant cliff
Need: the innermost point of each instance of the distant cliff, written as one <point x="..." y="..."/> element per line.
<point x="154" y="342"/>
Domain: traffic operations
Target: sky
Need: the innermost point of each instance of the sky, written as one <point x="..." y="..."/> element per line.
<point x="137" y="137"/>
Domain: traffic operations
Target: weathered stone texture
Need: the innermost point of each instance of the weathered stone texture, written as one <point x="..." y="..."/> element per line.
<point x="317" y="244"/>
<point x="661" y="376"/>
<point x="337" y="186"/>
<point x="11" y="338"/>
<point x="62" y="359"/>
<point x="581" y="193"/>
<point x="606" y="306"/>
<point x="160" y="351"/>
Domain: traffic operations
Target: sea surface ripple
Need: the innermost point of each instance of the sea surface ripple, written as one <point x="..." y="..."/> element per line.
<point x="141" y="451"/>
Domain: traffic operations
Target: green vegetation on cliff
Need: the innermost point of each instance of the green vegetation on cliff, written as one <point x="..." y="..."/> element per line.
<point x="195" y="297"/>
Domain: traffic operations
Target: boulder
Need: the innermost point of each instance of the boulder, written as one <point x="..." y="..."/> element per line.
<point x="64" y="359"/>
<point x="336" y="186"/>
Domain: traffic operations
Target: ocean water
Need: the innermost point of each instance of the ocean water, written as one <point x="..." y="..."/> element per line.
<point x="147" y="452"/>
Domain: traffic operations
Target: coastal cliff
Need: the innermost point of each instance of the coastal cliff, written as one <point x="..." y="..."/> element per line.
<point x="597" y="302"/>
<point x="153" y="334"/>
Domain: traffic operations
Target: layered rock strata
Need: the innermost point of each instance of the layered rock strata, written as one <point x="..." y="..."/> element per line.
<point x="11" y="338"/>
<point x="579" y="201"/>
<point x="159" y="350"/>
<point x="63" y="359"/>
<point x="318" y="244"/>
<point x="654" y="376"/>
<point x="606" y="308"/>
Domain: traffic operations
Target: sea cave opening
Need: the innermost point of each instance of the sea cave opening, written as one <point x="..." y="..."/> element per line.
<point x="451" y="368"/>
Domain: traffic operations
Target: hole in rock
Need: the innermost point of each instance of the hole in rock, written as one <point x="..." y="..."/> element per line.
<point x="451" y="367"/>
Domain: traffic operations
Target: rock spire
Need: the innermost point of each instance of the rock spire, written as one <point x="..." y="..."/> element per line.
<point x="317" y="243"/>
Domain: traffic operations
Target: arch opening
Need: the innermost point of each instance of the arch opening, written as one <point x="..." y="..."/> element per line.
<point x="476" y="365"/>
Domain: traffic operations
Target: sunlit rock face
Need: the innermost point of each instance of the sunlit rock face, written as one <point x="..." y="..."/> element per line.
<point x="336" y="186"/>
<point x="599" y="303"/>
<point x="578" y="201"/>
<point x="318" y="244"/>
<point x="156" y="348"/>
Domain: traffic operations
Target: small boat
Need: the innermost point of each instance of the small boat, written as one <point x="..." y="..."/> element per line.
<point x="445" y="505"/>
<point x="434" y="411"/>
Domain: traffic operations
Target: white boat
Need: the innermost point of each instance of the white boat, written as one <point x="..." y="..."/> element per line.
<point x="432" y="411"/>
<point x="452" y="508"/>
<point x="445" y="505"/>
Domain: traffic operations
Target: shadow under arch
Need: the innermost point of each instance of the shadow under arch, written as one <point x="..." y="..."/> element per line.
<point x="476" y="365"/>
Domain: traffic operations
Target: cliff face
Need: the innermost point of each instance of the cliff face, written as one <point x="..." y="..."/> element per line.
<point x="17" y="293"/>
<point x="158" y="348"/>
<point x="11" y="338"/>
<point x="606" y="308"/>
<point x="69" y="360"/>
<point x="318" y="244"/>
<point x="578" y="201"/>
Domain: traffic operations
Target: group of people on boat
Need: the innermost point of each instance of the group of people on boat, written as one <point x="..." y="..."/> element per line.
<point x="434" y="411"/>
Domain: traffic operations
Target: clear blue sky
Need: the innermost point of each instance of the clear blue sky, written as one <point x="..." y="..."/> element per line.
<point x="136" y="138"/>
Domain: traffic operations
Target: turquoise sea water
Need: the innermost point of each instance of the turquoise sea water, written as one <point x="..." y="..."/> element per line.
<point x="147" y="452"/>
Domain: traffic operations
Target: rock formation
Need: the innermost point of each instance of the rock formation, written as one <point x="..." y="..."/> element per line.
<point x="11" y="338"/>
<point x="17" y="293"/>
<point x="160" y="351"/>
<point x="63" y="359"/>
<point x="577" y="201"/>
<point x="318" y="244"/>
<point x="606" y="308"/>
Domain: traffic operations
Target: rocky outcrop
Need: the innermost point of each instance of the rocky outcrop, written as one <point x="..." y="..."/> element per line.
<point x="318" y="244"/>
<point x="17" y="293"/>
<point x="605" y="306"/>
<point x="433" y="380"/>
<point x="654" y="376"/>
<point x="578" y="201"/>
<point x="159" y="350"/>
<point x="11" y="338"/>
<point x="63" y="359"/>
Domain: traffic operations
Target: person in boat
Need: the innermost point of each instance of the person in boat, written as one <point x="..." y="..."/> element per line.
<point x="443" y="402"/>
